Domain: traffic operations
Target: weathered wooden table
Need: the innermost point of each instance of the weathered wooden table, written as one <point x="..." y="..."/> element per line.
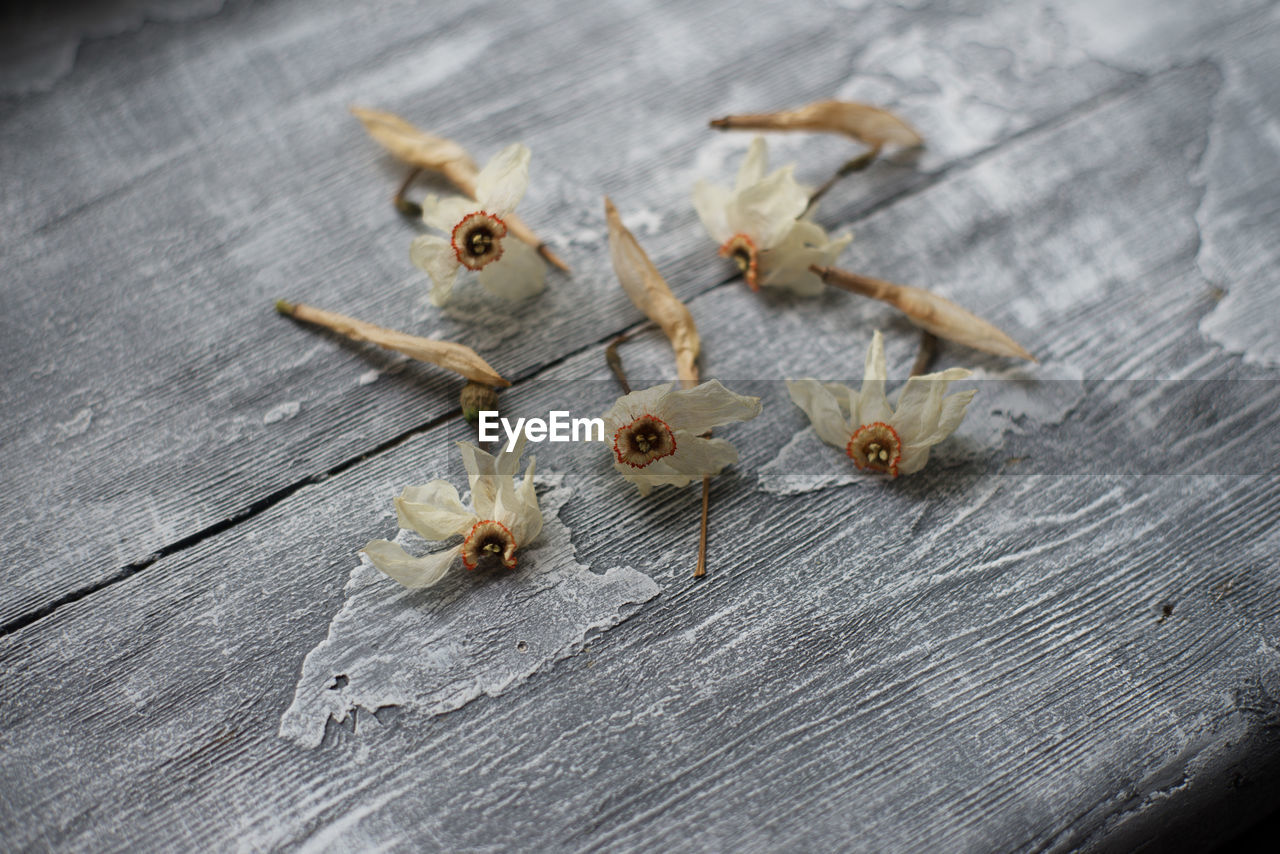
<point x="1064" y="633"/>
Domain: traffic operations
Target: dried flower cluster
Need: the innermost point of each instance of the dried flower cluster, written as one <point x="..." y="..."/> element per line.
<point x="765" y="224"/>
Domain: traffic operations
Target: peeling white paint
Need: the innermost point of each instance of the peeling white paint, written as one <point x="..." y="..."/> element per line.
<point x="282" y="412"/>
<point x="433" y="651"/>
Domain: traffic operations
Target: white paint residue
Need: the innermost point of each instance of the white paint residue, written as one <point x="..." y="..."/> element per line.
<point x="1019" y="399"/>
<point x="1238" y="249"/>
<point x="282" y="412"/>
<point x="795" y="469"/>
<point x="369" y="377"/>
<point x="76" y="425"/>
<point x="433" y="651"/>
<point x="644" y="221"/>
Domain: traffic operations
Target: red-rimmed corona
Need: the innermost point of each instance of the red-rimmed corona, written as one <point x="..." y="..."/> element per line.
<point x="644" y="440"/>
<point x="876" y="446"/>
<point x="477" y="229"/>
<point x="742" y="249"/>
<point x="876" y="436"/>
<point x="489" y="539"/>
<point x="502" y="518"/>
<point x="477" y="239"/>
<point x="658" y="432"/>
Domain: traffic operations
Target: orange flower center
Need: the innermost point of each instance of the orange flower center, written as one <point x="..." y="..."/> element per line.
<point x="742" y="250"/>
<point x="877" y="447"/>
<point x="644" y="440"/>
<point x="489" y="539"/>
<point x="477" y="239"/>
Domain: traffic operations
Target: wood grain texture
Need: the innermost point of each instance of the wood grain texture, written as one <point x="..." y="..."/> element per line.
<point x="151" y="218"/>
<point x="971" y="658"/>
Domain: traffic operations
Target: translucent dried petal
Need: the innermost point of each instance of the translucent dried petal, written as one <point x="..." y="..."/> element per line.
<point x="501" y="184"/>
<point x="414" y="572"/>
<point x="709" y="405"/>
<point x="433" y="511"/>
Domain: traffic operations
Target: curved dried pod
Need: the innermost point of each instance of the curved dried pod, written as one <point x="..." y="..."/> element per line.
<point x="449" y="355"/>
<point x="652" y="295"/>
<point x="436" y="154"/>
<point x="862" y="122"/>
<point x="932" y="313"/>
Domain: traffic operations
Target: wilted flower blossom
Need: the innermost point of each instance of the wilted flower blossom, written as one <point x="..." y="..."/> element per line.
<point x="503" y="517"/>
<point x="508" y="268"/>
<point x="656" y="433"/>
<point x="758" y="224"/>
<point x="875" y="436"/>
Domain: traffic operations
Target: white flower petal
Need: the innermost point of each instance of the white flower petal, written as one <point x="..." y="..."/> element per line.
<point x="435" y="255"/>
<point x="787" y="264"/>
<point x="445" y="212"/>
<point x="873" y="406"/>
<point x="518" y="274"/>
<point x="823" y="409"/>
<point x="845" y="397"/>
<point x="753" y="165"/>
<point x="394" y="561"/>
<point x="913" y="458"/>
<point x="767" y="210"/>
<point x="488" y="474"/>
<point x="629" y="407"/>
<point x="711" y="201"/>
<point x="694" y="457"/>
<point x="501" y="183"/>
<point x="706" y="406"/>
<point x="920" y="404"/>
<point x="433" y="511"/>
<point x="481" y="476"/>
<point x="527" y="523"/>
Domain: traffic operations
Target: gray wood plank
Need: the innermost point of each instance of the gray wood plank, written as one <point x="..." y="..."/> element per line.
<point x="183" y="176"/>
<point x="968" y="659"/>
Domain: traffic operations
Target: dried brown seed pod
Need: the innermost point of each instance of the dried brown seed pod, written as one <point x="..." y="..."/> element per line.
<point x="869" y="125"/>
<point x="449" y="355"/>
<point x="652" y="295"/>
<point x="929" y="311"/>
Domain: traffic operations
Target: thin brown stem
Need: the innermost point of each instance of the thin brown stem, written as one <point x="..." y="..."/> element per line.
<point x="615" y="361"/>
<point x="701" y="569"/>
<point x="552" y="258"/>
<point x="406" y="207"/>
<point x="928" y="351"/>
<point x="857" y="164"/>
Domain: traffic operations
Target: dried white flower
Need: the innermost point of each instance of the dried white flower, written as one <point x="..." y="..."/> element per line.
<point x="876" y="437"/>
<point x="758" y="224"/>
<point x="503" y="517"/>
<point x="476" y="229"/>
<point x="656" y="433"/>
